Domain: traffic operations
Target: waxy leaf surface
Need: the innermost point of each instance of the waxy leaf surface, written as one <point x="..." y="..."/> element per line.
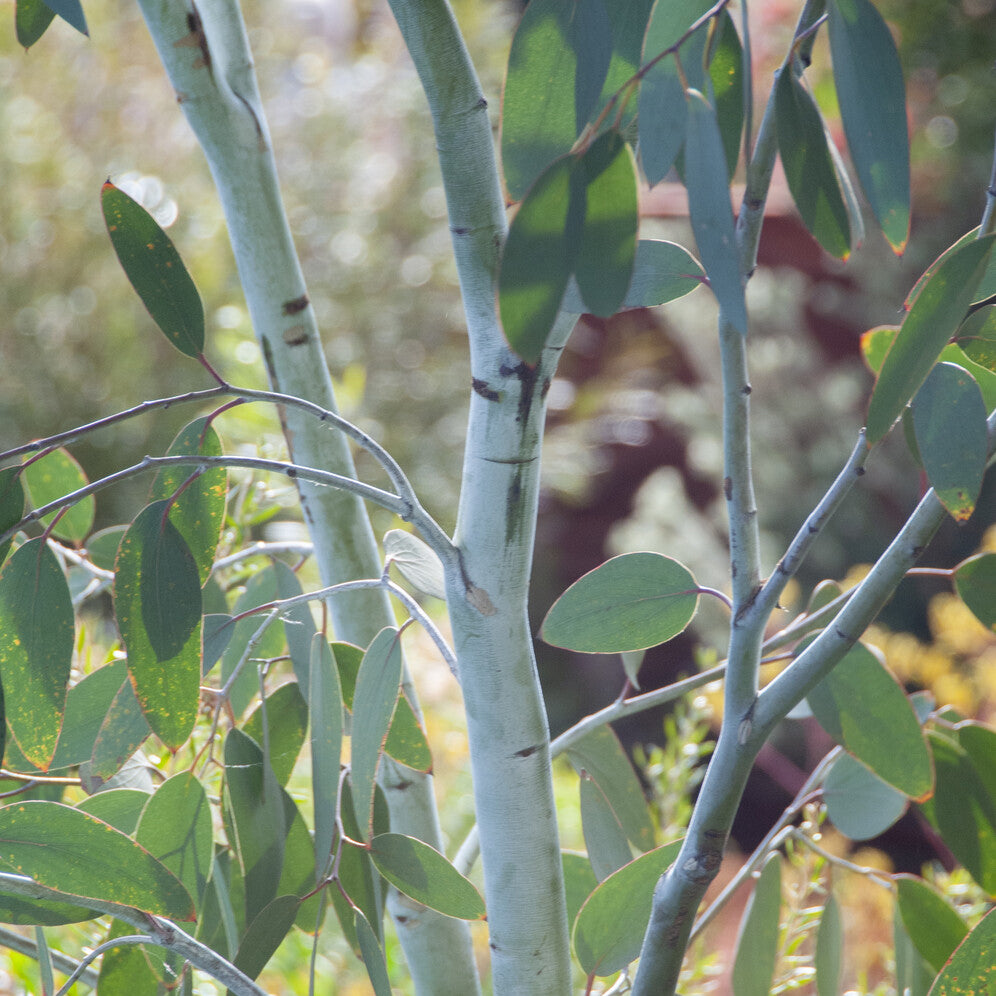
<point x="859" y="804"/>
<point x="972" y="963"/>
<point x="975" y="582"/>
<point x="757" y="945"/>
<point x="52" y="477"/>
<point x="325" y="706"/>
<point x="934" y="926"/>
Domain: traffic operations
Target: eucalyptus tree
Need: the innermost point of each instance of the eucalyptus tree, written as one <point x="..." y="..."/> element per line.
<point x="598" y="99"/>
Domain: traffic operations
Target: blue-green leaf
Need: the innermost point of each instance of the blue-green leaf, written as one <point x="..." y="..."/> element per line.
<point x="325" y="706"/>
<point x="859" y="804"/>
<point x="757" y="945"/>
<point x="71" y="12"/>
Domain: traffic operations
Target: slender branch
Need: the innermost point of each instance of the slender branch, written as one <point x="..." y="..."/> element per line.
<point x="128" y="940"/>
<point x="263" y="549"/>
<point x="988" y="225"/>
<point x="872" y="874"/>
<point x="28" y="946"/>
<point x="161" y="932"/>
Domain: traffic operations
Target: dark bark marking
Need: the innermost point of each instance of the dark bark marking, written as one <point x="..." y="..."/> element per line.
<point x="296" y="305"/>
<point x="488" y="393"/>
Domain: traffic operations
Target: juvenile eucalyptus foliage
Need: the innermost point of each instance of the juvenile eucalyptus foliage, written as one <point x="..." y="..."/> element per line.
<point x="209" y="865"/>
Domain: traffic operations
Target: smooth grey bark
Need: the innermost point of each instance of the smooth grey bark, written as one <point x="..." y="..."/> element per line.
<point x="205" y="51"/>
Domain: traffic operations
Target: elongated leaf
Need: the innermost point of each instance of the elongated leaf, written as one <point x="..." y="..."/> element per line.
<point x="579" y="882"/>
<point x="872" y="100"/>
<point x="979" y="743"/>
<point x="609" y="929"/>
<point x="975" y="582"/>
<point x="264" y="935"/>
<point x="604" y="838"/>
<point x="37" y="912"/>
<point x="710" y="210"/>
<point x="949" y="416"/>
<point x="376" y="696"/>
<point x="556" y="69"/>
<point x="603" y="757"/>
<point x="423" y="874"/>
<point x="44" y="840"/>
<point x="32" y="20"/>
<point x="53" y="476"/>
<point x="417" y="561"/>
<point x="297" y="876"/>
<point x="631" y="602"/>
<point x="121" y="808"/>
<point x="757" y="944"/>
<point x="829" y="958"/>
<point x="198" y="511"/>
<point x="963" y="811"/>
<point x="932" y="922"/>
<point x="809" y="169"/>
<point x="71" y="12"/>
<point x="325" y="706"/>
<point x="913" y="977"/>
<point x="373" y="955"/>
<point x="86" y="706"/>
<point x="970" y="970"/>
<point x="176" y="828"/>
<point x="933" y="319"/>
<point x="287" y="724"/>
<point x="604" y="264"/>
<point x="255" y="806"/>
<point x="11" y="503"/>
<point x="36" y="648"/>
<point x="628" y="20"/>
<point x="662" y="272"/>
<point x="859" y="804"/>
<point x="726" y="78"/>
<point x="862" y="706"/>
<point x="157" y="601"/>
<point x="538" y="259"/>
<point x="123" y="729"/>
<point x="155" y="270"/>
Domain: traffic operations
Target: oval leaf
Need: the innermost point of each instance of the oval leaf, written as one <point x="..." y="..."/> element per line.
<point x="859" y="804"/>
<point x="604" y="837"/>
<point x="710" y="210"/>
<point x="933" y="319"/>
<point x="662" y="272"/>
<point x="155" y="270"/>
<point x="198" y="510"/>
<point x="44" y="840"/>
<point x="809" y="168"/>
<point x="52" y="477"/>
<point x="37" y="629"/>
<point x="934" y="926"/>
<point x="971" y="966"/>
<point x="604" y="264"/>
<point x="423" y="874"/>
<point x="374" y="701"/>
<point x="609" y="929"/>
<point x="949" y="417"/>
<point x="123" y="729"/>
<point x="286" y="715"/>
<point x="417" y="561"/>
<point x="862" y="706"/>
<point x="872" y="98"/>
<point x="31" y="21"/>
<point x="157" y="601"/>
<point x="757" y="944"/>
<point x="631" y="602"/>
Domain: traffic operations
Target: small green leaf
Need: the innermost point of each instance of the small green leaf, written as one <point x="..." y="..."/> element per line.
<point x="52" y="477"/>
<point x="710" y="210"/>
<point x="36" y="648"/>
<point x="631" y="602"/>
<point x="970" y="970"/>
<point x="963" y="811"/>
<point x="860" y="805"/>
<point x="757" y="943"/>
<point x="266" y="931"/>
<point x="975" y="582"/>
<point x="862" y="706"/>
<point x="932" y="320"/>
<point x="373" y="955"/>
<point x="604" y="837"/>
<point x="121" y="808"/>
<point x="912" y="974"/>
<point x="603" y="757"/>
<point x="123" y="729"/>
<point x="154" y="269"/>
<point x="417" y="561"/>
<point x="325" y="706"/>
<point x="71" y="12"/>
<point x="579" y="881"/>
<point x="102" y="546"/>
<point x="374" y="701"/>
<point x="809" y="169"/>
<point x="604" y="263"/>
<point x="406" y="740"/>
<point x="726" y="78"/>
<point x="423" y="874"/>
<point x="628" y="20"/>
<point x="538" y="259"/>
<point x="44" y="840"/>
<point x="31" y="21"/>
<point x="157" y="601"/>
<point x="254" y="805"/>
<point x="934" y="926"/>
<point x="297" y="877"/>
<point x="979" y="743"/>
<point x="11" y="503"/>
<point x="977" y="337"/>
<point x="557" y="65"/>
<point x="949" y="416"/>
<point x="609" y="929"/>
<point x="872" y="98"/>
<point x="198" y="511"/>
<point x="662" y="272"/>
<point x="128" y="970"/>
<point x="287" y="722"/>
<point x="829" y="958"/>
